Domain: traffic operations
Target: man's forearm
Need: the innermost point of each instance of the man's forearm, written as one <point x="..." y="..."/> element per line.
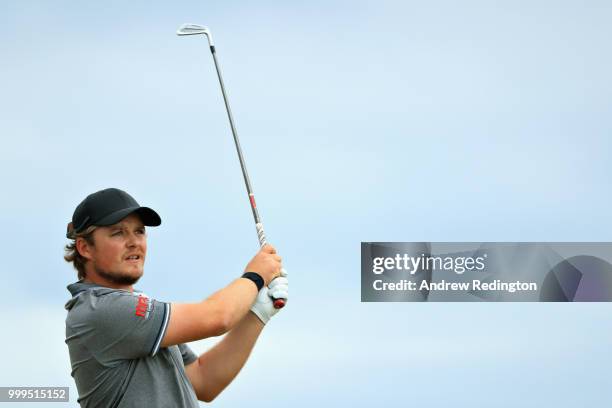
<point x="218" y="366"/>
<point x="235" y="300"/>
<point x="214" y="316"/>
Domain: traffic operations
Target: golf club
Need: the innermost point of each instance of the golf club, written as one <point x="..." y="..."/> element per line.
<point x="195" y="29"/>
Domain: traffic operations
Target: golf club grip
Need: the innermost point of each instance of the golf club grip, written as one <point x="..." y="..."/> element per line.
<point x="261" y="235"/>
<point x="279" y="303"/>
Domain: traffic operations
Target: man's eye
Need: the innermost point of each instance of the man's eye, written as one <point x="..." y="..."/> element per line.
<point x="141" y="231"/>
<point x="117" y="233"/>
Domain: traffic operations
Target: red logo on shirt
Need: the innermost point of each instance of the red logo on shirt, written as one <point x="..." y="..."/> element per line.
<point x="142" y="306"/>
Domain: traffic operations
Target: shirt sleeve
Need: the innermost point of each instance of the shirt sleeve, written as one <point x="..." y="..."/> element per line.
<point x="188" y="355"/>
<point x="125" y="325"/>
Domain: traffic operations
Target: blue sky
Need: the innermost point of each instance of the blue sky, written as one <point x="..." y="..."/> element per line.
<point x="359" y="121"/>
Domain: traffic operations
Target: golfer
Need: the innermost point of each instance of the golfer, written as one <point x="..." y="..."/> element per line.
<point x="126" y="348"/>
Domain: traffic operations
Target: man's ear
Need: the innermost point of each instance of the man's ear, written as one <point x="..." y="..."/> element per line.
<point x="84" y="248"/>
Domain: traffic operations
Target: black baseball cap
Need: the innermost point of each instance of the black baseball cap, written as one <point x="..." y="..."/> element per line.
<point x="108" y="207"/>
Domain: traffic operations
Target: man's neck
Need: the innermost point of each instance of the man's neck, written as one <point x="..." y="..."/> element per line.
<point x="98" y="280"/>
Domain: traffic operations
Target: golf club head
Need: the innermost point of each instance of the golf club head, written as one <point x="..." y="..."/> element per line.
<point x="195" y="29"/>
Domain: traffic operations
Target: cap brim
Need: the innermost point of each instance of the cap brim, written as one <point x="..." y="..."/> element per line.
<point x="148" y="216"/>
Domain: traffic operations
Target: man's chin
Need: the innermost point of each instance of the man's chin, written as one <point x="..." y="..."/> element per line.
<point x="120" y="278"/>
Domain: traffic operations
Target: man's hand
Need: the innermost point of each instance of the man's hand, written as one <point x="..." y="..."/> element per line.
<point x="264" y="305"/>
<point x="266" y="263"/>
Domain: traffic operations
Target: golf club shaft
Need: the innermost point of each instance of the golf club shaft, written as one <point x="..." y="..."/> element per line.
<point x="245" y="174"/>
<point x="278" y="303"/>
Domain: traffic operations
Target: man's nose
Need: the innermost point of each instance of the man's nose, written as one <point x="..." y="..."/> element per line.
<point x="133" y="240"/>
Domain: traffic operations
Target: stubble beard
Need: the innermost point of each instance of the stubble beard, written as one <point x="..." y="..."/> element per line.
<point x="117" y="277"/>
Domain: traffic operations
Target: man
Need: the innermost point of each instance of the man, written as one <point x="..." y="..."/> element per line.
<point x="126" y="349"/>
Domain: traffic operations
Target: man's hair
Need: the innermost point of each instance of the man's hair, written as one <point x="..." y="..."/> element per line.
<point x="73" y="255"/>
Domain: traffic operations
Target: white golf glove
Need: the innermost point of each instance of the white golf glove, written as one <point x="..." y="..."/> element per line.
<point x="264" y="303"/>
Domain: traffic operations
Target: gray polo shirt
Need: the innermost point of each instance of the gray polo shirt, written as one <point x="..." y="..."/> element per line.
<point x="114" y="337"/>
